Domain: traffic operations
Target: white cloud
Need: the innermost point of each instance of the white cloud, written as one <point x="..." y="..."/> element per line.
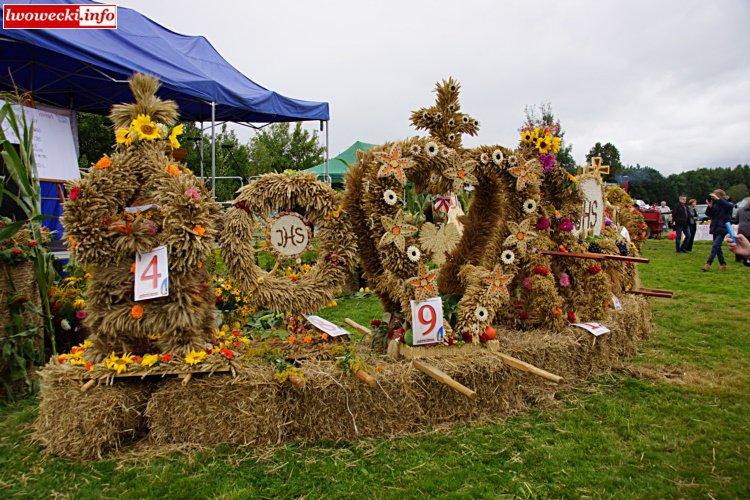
<point x="667" y="82"/>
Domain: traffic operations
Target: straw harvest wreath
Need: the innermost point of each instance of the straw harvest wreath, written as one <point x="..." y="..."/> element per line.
<point x="522" y="202"/>
<point x="136" y="200"/>
<point x="301" y="203"/>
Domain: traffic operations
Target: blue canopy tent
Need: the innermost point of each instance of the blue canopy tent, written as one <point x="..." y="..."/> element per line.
<point x="87" y="70"/>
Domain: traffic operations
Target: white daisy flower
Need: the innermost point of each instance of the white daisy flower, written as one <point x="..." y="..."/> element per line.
<point x="451" y="137"/>
<point x="413" y="253"/>
<point x="445" y="152"/>
<point x="451" y="107"/>
<point x="529" y="206"/>
<point x="512" y="161"/>
<point x="476" y="123"/>
<point x="390" y="197"/>
<point x="508" y="257"/>
<point x="484" y="158"/>
<point x="465" y="119"/>
<point x="431" y="148"/>
<point x="438" y="116"/>
<point x="497" y="157"/>
<point x="453" y="87"/>
<point x="481" y="313"/>
<point x="425" y="115"/>
<point x="451" y="122"/>
<point x="415" y="149"/>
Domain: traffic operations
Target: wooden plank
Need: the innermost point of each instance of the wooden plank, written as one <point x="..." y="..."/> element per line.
<point x="443" y="378"/>
<point x="362" y="329"/>
<point x="221" y="369"/>
<point x="657" y="290"/>
<point x="527" y="367"/>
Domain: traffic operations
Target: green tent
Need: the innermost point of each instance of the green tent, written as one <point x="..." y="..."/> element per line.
<point x="339" y="165"/>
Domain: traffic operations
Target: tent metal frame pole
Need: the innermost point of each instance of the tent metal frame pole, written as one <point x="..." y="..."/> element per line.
<point x="327" y="176"/>
<point x="213" y="149"/>
<point x="201" y="152"/>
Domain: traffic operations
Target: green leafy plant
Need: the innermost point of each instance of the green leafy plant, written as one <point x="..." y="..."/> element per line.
<point x="21" y="169"/>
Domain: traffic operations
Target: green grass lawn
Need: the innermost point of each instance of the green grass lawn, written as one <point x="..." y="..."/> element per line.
<point x="675" y="423"/>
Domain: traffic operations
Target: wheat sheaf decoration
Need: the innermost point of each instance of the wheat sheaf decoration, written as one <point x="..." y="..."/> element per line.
<point x="289" y="205"/>
<point x="132" y="201"/>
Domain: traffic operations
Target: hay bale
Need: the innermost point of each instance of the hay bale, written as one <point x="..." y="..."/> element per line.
<point x="88" y="425"/>
<point x="218" y="409"/>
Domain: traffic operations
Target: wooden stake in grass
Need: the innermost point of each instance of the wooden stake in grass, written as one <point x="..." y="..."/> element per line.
<point x="443" y="378"/>
<point x="524" y="366"/>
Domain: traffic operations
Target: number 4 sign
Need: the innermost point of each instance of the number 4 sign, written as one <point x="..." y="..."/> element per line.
<point x="151" y="274"/>
<point x="427" y="321"/>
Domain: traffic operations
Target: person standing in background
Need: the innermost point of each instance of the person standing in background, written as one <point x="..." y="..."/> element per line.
<point x="720" y="211"/>
<point x="666" y="216"/>
<point x="692" y="224"/>
<point x="743" y="224"/>
<point x="681" y="218"/>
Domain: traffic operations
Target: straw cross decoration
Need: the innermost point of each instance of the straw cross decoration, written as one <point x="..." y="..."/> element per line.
<point x="596" y="167"/>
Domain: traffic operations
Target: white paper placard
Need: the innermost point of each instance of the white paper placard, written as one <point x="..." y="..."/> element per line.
<point x="427" y="321"/>
<point x="625" y="233"/>
<point x="616" y="303"/>
<point x="326" y="326"/>
<point x="151" y="274"/>
<point x="54" y="146"/>
<point x="594" y="329"/>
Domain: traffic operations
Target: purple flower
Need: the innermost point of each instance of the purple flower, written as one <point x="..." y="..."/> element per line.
<point x="526" y="283"/>
<point x="607" y="221"/>
<point x="566" y="224"/>
<point x="564" y="280"/>
<point x="548" y="162"/>
<point x="81" y="314"/>
<point x="542" y="224"/>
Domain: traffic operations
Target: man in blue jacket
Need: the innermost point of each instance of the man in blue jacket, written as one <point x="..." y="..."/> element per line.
<point x="720" y="211"/>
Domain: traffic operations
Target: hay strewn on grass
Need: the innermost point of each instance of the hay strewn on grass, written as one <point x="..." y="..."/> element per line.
<point x="253" y="409"/>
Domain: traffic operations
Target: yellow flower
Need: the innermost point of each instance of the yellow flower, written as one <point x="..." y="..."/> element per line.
<point x="195" y="357"/>
<point x="544" y="143"/>
<point x="217" y="292"/>
<point x="526" y="135"/>
<point x="122" y="136"/>
<point x="119" y="365"/>
<point x="555" y="144"/>
<point x="149" y="360"/>
<point x="145" y="128"/>
<point x="87" y="343"/>
<point x="79" y="304"/>
<point x="177" y="130"/>
<point x="76" y="359"/>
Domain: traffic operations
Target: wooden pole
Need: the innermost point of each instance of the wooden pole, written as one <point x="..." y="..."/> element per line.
<point x="186" y="378"/>
<point x="85" y="387"/>
<point x="526" y="367"/>
<point x="366" y="378"/>
<point x="362" y="329"/>
<point x="574" y="255"/>
<point x="443" y="378"/>
<point x="650" y="293"/>
<point x="296" y="381"/>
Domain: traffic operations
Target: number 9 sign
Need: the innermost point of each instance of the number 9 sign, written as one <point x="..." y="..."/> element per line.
<point x="427" y="321"/>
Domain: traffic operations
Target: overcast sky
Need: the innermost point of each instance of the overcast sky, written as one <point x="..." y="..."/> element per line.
<point x="668" y="82"/>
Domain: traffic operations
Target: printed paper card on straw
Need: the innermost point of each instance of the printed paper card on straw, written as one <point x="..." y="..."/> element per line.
<point x="326" y="326"/>
<point x="595" y="329"/>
